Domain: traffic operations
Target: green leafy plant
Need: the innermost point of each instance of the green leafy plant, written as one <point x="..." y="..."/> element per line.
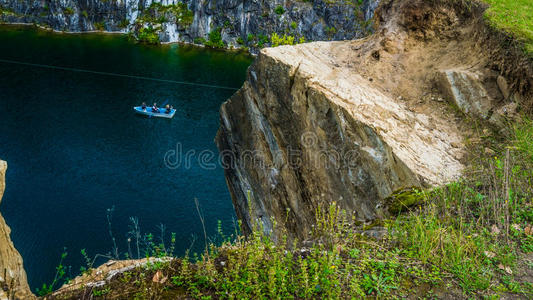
<point x="59" y="275"/>
<point x="148" y="36"/>
<point x="200" y="40"/>
<point x="277" y="40"/>
<point x="294" y="25"/>
<point x="215" y="39"/>
<point x="101" y="292"/>
<point x="99" y="26"/>
<point x="68" y="11"/>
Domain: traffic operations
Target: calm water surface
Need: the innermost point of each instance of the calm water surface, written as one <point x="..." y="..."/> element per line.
<point x="74" y="147"/>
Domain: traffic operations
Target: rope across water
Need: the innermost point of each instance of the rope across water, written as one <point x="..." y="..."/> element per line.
<point x="14" y="62"/>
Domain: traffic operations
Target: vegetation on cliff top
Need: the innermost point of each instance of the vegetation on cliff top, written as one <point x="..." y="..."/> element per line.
<point x="513" y="16"/>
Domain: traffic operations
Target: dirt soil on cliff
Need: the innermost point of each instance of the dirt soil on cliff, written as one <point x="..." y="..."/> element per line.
<point x="417" y="40"/>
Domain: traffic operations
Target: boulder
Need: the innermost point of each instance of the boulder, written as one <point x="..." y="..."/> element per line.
<point x="465" y="89"/>
<point x="504" y="86"/>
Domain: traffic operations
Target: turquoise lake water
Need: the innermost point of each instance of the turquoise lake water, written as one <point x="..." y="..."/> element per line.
<point x="75" y="148"/>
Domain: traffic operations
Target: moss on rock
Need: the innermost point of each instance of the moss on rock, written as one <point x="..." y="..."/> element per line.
<point x="402" y="199"/>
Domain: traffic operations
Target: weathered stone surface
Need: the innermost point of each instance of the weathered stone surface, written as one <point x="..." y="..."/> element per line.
<point x="305" y="131"/>
<point x="352" y="122"/>
<point x="101" y="276"/>
<point x="464" y="88"/>
<point x="13" y="282"/>
<point x="504" y="86"/>
<point x="313" y="20"/>
<point x="503" y="115"/>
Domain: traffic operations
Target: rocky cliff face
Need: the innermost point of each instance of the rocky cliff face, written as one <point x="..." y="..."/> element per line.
<point x="352" y="122"/>
<point x="13" y="282"/>
<point x="241" y="22"/>
<point x="304" y="132"/>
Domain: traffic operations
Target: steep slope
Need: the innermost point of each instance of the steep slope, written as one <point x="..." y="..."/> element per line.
<point x="13" y="282"/>
<point x="352" y="122"/>
<point x="241" y="22"/>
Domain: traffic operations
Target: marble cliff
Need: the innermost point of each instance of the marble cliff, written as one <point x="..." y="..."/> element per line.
<point x="352" y="122"/>
<point x="241" y="22"/>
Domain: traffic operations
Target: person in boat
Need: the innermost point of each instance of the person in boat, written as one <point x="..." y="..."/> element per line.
<point x="154" y="108"/>
<point x="143" y="106"/>
<point x="168" y="109"/>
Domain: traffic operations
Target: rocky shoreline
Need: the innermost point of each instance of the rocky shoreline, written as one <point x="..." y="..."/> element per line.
<point x="222" y="24"/>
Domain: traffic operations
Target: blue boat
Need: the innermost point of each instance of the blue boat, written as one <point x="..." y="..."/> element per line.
<point x="149" y="112"/>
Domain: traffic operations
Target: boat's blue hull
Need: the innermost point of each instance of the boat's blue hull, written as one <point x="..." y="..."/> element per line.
<point x="148" y="112"/>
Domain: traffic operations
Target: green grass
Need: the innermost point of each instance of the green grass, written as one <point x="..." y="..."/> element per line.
<point x="524" y="138"/>
<point x="513" y="16"/>
<point x="466" y="239"/>
<point x="466" y="236"/>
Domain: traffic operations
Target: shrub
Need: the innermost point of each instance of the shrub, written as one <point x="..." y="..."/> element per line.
<point x="262" y="40"/>
<point x="199" y="40"/>
<point x="331" y="30"/>
<point x="184" y="16"/>
<point x="124" y="23"/>
<point x="148" y="36"/>
<point x="215" y="39"/>
<point x="276" y="40"/>
<point x="68" y="11"/>
<point x="162" y="19"/>
<point x="279" y="10"/>
<point x="294" y="25"/>
<point x="99" y="26"/>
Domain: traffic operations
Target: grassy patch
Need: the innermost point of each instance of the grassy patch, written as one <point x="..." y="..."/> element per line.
<point x="513" y="16"/>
